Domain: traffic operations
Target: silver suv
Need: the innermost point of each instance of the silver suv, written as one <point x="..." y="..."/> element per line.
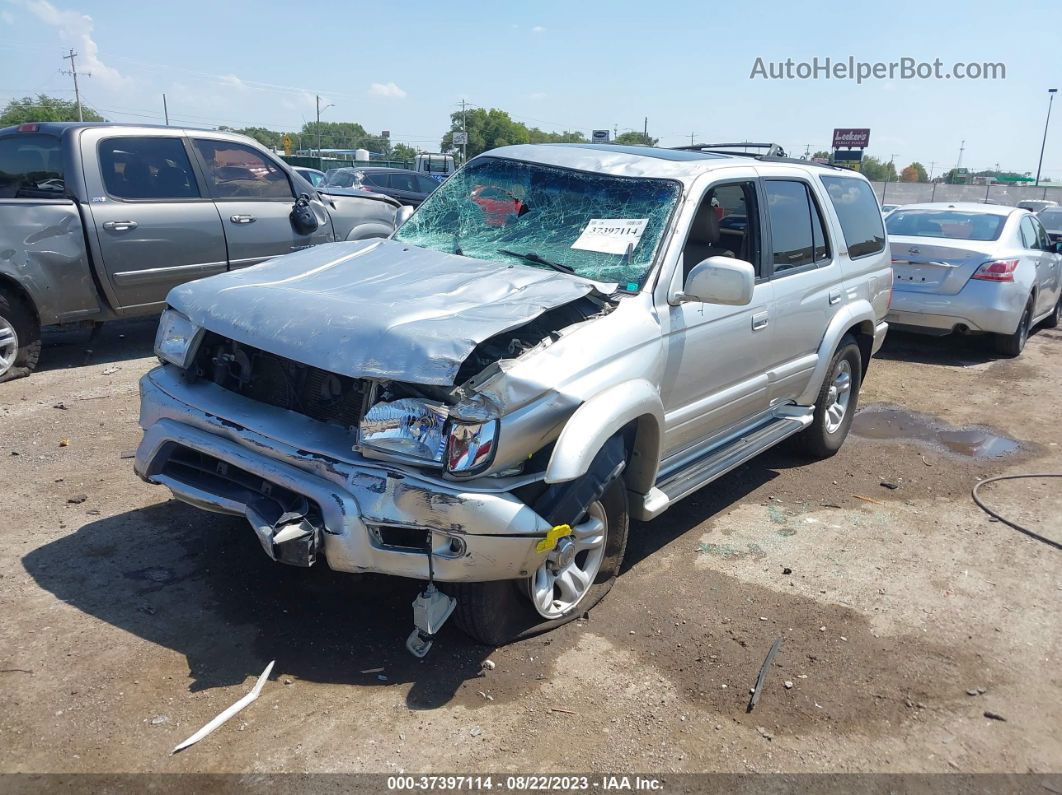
<point x="561" y="338"/>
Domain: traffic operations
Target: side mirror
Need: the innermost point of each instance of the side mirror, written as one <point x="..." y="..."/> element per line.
<point x="402" y="215"/>
<point x="720" y="280"/>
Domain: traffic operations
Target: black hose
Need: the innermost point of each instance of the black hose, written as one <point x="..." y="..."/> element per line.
<point x="1015" y="525"/>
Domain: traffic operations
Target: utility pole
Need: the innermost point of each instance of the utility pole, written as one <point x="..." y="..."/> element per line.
<point x="807" y="150"/>
<point x="326" y="107"/>
<point x="892" y="162"/>
<point x="1039" y="166"/>
<point x="73" y="71"/>
<point x="962" y="148"/>
<point x="645" y="131"/>
<point x="932" y="165"/>
<point x="691" y="138"/>
<point x="464" y="129"/>
<point x="165" y="110"/>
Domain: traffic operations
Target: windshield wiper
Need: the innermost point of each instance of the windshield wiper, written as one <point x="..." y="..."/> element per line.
<point x="531" y="256"/>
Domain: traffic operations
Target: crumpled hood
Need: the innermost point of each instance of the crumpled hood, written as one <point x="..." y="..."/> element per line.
<point x="374" y="308"/>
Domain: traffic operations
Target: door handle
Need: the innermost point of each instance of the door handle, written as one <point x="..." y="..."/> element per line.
<point x="835" y="297"/>
<point x="119" y="226"/>
<point x="242" y="219"/>
<point x="759" y="321"/>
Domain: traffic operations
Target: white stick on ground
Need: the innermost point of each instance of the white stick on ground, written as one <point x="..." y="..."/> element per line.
<point x="224" y="716"/>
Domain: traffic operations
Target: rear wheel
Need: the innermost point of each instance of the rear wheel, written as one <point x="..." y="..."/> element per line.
<point x="836" y="403"/>
<point x="20" y="338"/>
<point x="1052" y="320"/>
<point x="575" y="576"/>
<point x="1013" y="344"/>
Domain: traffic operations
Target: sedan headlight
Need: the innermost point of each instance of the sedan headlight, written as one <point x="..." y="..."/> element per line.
<point x="409" y="427"/>
<point x="177" y="338"/>
<point x="470" y="448"/>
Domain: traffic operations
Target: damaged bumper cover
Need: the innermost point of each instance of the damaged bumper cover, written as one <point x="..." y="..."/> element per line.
<point x="223" y="453"/>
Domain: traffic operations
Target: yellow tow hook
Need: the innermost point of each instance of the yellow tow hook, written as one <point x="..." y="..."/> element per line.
<point x="549" y="543"/>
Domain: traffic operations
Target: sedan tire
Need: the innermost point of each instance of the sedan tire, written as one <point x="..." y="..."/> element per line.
<point x="1011" y="345"/>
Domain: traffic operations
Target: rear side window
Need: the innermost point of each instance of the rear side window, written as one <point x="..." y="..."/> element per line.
<point x="426" y="184"/>
<point x="798" y="236"/>
<point x="403" y="182"/>
<point x="31" y="167"/>
<point x="1052" y="219"/>
<point x="147" y="168"/>
<point x="235" y="171"/>
<point x="1029" y="238"/>
<point x="857" y="210"/>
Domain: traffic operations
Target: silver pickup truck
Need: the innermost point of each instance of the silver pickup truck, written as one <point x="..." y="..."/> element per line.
<point x="100" y="221"/>
<point x="561" y="337"/>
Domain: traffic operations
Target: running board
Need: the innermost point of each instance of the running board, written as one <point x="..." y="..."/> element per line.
<point x="718" y="461"/>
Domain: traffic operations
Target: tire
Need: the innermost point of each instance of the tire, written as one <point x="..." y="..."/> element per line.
<point x="1011" y="345"/>
<point x="20" y="338"/>
<point x="1052" y="320"/>
<point x="829" y="427"/>
<point x="496" y="613"/>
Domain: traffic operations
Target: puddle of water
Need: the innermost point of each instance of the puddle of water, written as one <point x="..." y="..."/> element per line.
<point x="974" y="442"/>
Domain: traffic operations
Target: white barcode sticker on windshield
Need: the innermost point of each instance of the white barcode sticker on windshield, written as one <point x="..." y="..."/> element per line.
<point x="611" y="235"/>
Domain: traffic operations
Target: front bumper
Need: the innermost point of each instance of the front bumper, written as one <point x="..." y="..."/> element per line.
<point x="978" y="306"/>
<point x="243" y="449"/>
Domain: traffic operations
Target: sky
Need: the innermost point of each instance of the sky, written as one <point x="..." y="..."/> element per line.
<point x="684" y="65"/>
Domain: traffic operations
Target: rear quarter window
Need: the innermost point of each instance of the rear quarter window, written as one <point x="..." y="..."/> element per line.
<point x="31" y="167"/>
<point x="857" y="210"/>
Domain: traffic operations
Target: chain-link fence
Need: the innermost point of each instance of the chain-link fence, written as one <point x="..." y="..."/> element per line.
<point x="914" y="192"/>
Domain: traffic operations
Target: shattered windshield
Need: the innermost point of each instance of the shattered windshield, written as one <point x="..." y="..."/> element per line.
<point x="598" y="226"/>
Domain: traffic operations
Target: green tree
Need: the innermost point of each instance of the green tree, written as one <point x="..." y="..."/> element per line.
<point x="915" y="172"/>
<point x="403" y="152"/>
<point x="268" y="138"/>
<point x="487" y="129"/>
<point x="632" y="137"/>
<point x="822" y="153"/>
<point x="877" y="171"/>
<point x="336" y="135"/>
<point x="44" y="108"/>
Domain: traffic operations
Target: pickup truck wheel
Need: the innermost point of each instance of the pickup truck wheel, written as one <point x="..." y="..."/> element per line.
<point x="1012" y="345"/>
<point x="836" y="403"/>
<point x="575" y="577"/>
<point x="20" y="339"/>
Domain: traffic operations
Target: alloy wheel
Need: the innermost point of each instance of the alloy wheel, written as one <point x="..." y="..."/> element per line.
<point x="561" y="582"/>
<point x="839" y="396"/>
<point x="8" y="345"/>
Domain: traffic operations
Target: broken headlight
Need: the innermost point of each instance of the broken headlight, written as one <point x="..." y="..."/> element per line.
<point x="408" y="427"/>
<point x="470" y="448"/>
<point x="176" y="339"/>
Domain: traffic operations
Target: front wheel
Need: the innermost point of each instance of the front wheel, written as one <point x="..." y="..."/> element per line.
<point x="836" y="403"/>
<point x="575" y="576"/>
<point x="1012" y="345"/>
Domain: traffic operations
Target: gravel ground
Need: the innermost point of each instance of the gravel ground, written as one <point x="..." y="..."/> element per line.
<point x="905" y="614"/>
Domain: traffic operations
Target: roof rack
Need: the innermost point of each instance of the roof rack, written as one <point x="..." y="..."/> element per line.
<point x="774" y="154"/>
<point x="773" y="150"/>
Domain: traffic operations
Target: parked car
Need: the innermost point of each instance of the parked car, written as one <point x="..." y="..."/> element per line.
<point x="973" y="268"/>
<point x="484" y="405"/>
<point x="1051" y="218"/>
<point x="99" y="221"/>
<point x="311" y="175"/>
<point x="400" y="184"/>
<point x="1035" y="205"/>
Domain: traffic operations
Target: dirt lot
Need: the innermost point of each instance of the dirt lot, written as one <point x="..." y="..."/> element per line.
<point x="130" y="620"/>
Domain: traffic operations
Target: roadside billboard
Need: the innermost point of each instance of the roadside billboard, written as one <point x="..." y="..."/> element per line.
<point x="851" y="137"/>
